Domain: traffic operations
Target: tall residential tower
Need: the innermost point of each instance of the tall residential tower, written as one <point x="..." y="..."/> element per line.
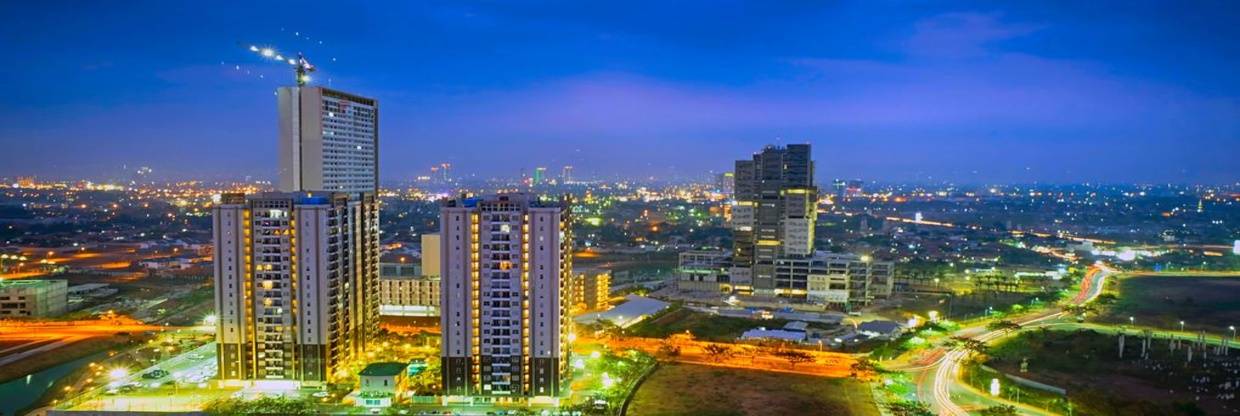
<point x="296" y="271"/>
<point x="296" y="278"/>
<point x="329" y="140"/>
<point x="506" y="268"/>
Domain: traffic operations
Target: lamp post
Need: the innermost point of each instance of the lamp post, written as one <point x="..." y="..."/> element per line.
<point x="1181" y="326"/>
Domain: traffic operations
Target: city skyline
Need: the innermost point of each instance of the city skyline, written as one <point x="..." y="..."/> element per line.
<point x="981" y="93"/>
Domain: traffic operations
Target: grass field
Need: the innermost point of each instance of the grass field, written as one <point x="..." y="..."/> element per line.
<point x="693" y="390"/>
<point x="1210" y="303"/>
<point x="1087" y="365"/>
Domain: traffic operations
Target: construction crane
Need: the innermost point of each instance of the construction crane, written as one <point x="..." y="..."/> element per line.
<point x="301" y="67"/>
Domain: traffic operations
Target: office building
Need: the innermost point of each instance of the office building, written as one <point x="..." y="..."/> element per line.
<point x="506" y="270"/>
<point x="296" y="284"/>
<point x="704" y="271"/>
<point x="33" y="298"/>
<point x="774" y="215"/>
<point x="844" y="280"/>
<point x="329" y="140"/>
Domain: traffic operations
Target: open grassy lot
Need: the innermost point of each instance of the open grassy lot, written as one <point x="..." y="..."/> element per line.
<point x="693" y="390"/>
<point x="1087" y="365"/>
<point x="1210" y="303"/>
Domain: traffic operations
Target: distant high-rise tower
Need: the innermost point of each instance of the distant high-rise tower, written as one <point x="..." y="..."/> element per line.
<point x="506" y="268"/>
<point x="566" y="174"/>
<point x="540" y="175"/>
<point x="329" y="140"/>
<point x="296" y="284"/>
<point x="774" y="216"/>
<point x="725" y="183"/>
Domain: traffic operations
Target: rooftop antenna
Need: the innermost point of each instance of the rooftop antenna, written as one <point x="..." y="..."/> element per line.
<point x="301" y="67"/>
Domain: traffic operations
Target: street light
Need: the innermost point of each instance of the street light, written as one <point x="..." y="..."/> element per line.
<point x="1132" y="321"/>
<point x="1181" y="326"/>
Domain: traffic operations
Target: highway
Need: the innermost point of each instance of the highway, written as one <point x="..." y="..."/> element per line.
<point x="939" y="378"/>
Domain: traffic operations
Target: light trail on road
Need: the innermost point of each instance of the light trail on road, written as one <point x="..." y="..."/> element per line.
<point x="949" y="366"/>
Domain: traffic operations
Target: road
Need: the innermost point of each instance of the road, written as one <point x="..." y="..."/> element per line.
<point x="821" y="363"/>
<point x="937" y="380"/>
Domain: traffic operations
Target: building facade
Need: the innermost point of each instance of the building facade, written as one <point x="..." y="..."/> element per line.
<point x="329" y="140"/>
<point x="33" y="298"/>
<point x="704" y="271"/>
<point x="844" y="280"/>
<point x="774" y="216"/>
<point x="405" y="290"/>
<point x="591" y="290"/>
<point x="296" y="284"/>
<point x="506" y="266"/>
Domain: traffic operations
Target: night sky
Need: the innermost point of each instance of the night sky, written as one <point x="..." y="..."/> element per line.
<point x="1073" y="91"/>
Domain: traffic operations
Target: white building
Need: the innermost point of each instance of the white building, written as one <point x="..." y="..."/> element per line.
<point x="329" y="140"/>
<point x="835" y="279"/>
<point x="506" y="269"/>
<point x="33" y="298"/>
<point x="296" y="284"/>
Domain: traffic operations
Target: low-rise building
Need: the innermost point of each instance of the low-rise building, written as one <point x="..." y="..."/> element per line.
<point x="33" y="298"/>
<point x="382" y="384"/>
<point x="591" y="289"/>
<point x="403" y="291"/>
<point x="795" y="331"/>
<point x="834" y="279"/>
<point x="704" y="271"/>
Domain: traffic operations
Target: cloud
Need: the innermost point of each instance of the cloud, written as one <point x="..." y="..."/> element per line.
<point x="961" y="35"/>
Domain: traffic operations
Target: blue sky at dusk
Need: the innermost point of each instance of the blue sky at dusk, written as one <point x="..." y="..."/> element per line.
<point x="979" y="92"/>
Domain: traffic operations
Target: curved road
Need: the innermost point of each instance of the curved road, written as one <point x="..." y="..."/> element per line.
<point x="945" y="370"/>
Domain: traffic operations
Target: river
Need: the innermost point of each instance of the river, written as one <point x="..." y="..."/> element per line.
<point x="22" y="392"/>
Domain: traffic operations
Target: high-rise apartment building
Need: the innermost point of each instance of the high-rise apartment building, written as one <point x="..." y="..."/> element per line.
<point x="296" y="278"/>
<point x="506" y="268"/>
<point x="774" y="216"/>
<point x="329" y="140"/>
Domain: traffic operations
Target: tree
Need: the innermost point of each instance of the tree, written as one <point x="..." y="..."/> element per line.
<point x="1003" y="325"/>
<point x="863" y="366"/>
<point x="261" y="406"/>
<point x="973" y="345"/>
<point x="717" y="352"/>
<point x="909" y="408"/>
<point x="668" y="350"/>
<point x="795" y="357"/>
<point x="998" y="410"/>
